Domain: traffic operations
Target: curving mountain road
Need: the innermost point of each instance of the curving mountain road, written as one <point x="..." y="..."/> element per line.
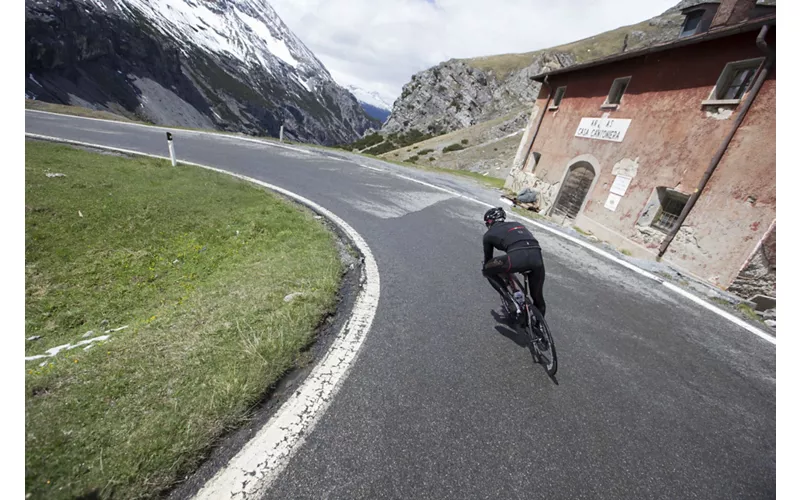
<point x="656" y="396"/>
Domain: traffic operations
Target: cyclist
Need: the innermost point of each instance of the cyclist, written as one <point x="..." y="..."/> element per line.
<point x="522" y="254"/>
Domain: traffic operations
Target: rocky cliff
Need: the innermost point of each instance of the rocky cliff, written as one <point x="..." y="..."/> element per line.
<point x="463" y="92"/>
<point x="457" y="94"/>
<point x="226" y="64"/>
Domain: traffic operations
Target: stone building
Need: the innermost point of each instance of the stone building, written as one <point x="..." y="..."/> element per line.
<point x="669" y="151"/>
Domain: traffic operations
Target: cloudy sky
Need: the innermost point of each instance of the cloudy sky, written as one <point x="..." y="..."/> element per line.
<point x="378" y="44"/>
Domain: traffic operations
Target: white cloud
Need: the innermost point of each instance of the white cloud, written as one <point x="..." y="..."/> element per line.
<point x="378" y="44"/>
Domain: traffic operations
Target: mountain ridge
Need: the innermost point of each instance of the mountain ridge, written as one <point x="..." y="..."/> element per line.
<point x="230" y="64"/>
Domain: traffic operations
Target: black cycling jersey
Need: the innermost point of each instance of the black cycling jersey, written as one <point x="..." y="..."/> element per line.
<point x="507" y="236"/>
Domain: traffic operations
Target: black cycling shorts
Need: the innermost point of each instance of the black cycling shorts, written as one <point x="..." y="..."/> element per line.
<point x="517" y="261"/>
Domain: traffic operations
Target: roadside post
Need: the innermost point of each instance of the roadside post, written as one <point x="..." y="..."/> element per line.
<point x="171" y="149"/>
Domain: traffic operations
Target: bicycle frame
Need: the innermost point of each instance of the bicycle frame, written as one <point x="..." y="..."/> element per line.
<point x="512" y="280"/>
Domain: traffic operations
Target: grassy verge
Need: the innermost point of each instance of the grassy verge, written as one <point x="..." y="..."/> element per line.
<point x="485" y="179"/>
<point x="75" y="111"/>
<point x="528" y="213"/>
<point x="197" y="265"/>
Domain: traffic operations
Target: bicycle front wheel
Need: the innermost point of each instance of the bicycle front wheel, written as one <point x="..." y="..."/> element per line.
<point x="542" y="340"/>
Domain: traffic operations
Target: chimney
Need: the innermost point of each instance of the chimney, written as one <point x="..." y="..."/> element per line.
<point x="732" y="12"/>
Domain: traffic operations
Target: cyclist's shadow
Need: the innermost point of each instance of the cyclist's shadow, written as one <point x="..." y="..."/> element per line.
<point x="506" y="329"/>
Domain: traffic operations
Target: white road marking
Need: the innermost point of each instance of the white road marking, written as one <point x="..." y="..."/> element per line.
<point x="730" y="317"/>
<point x="258" y="463"/>
<point x="53" y="351"/>
<point x="450" y="191"/>
<point x="750" y="328"/>
<point x="694" y="298"/>
<point x="329" y="157"/>
<point x="396" y="203"/>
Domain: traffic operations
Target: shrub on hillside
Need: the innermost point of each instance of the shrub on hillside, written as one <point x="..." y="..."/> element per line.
<point x="411" y="137"/>
<point x="425" y="151"/>
<point x="452" y="147"/>
<point x="366" y="142"/>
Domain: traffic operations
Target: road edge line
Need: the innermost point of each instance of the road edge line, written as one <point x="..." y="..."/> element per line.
<point x="252" y="470"/>
<point x="694" y="298"/>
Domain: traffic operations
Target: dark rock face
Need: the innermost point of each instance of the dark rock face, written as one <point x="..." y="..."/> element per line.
<point x="79" y="53"/>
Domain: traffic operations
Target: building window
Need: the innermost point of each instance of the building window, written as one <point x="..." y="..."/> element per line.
<point x="618" y="88"/>
<point x="557" y="98"/>
<point x="672" y="203"/>
<point x="734" y="81"/>
<point x="691" y="23"/>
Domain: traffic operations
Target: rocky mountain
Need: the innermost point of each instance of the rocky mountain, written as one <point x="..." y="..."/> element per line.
<point x="226" y="64"/>
<point x="458" y="93"/>
<point x="376" y="106"/>
<point x="463" y="92"/>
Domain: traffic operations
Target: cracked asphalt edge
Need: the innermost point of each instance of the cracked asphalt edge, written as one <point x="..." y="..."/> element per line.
<point x="253" y="469"/>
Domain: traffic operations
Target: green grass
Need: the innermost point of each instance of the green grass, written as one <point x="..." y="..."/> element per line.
<point x="744" y="309"/>
<point x="581" y="231"/>
<point x="625" y="251"/>
<point x="665" y="275"/>
<point x="198" y="265"/>
<point x="528" y="213"/>
<point x="484" y="179"/>
<point x="748" y="311"/>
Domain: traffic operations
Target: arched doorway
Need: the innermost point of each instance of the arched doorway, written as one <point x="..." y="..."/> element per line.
<point x="573" y="192"/>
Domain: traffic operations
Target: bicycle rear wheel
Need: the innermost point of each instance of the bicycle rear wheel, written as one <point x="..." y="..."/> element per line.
<point x="542" y="340"/>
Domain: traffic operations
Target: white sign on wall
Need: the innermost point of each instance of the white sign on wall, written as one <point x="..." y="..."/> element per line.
<point x="604" y="129"/>
<point x="620" y="186"/>
<point x="612" y="202"/>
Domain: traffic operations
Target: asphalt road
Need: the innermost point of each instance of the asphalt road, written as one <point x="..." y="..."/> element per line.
<point x="656" y="396"/>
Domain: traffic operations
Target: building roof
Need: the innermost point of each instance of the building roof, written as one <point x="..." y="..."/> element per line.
<point x="749" y="25"/>
<point x="699" y="6"/>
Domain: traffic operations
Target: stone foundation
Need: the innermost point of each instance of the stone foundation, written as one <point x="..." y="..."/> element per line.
<point x="759" y="276"/>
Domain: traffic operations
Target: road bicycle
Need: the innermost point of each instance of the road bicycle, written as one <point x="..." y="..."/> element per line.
<point x="539" y="336"/>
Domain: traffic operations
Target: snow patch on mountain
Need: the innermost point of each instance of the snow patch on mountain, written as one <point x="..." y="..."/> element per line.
<point x="369" y="97"/>
<point x="275" y="46"/>
<point x="247" y="30"/>
<point x="226" y="64"/>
